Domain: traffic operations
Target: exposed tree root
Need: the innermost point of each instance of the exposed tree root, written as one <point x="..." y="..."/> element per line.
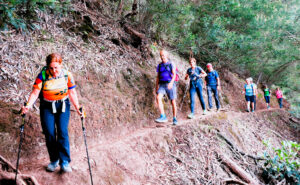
<point x="230" y="181"/>
<point x="234" y="148"/>
<point x="237" y="170"/>
<point x="7" y="176"/>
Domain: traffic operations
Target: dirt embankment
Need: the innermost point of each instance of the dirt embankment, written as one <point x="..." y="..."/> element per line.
<point x="116" y="86"/>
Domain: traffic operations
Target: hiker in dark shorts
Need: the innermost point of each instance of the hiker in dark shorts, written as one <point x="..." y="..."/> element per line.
<point x="195" y="74"/>
<point x="267" y="93"/>
<point x="255" y="92"/>
<point x="212" y="84"/>
<point x="249" y="91"/>
<point x="165" y="84"/>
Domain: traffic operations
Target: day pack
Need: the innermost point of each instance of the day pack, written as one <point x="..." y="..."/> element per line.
<point x="169" y="69"/>
<point x="45" y="77"/>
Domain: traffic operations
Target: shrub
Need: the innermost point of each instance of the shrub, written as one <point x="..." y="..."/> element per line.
<point x="283" y="164"/>
<point x="22" y="14"/>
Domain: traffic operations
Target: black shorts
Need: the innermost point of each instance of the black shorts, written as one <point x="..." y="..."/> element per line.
<point x="249" y="98"/>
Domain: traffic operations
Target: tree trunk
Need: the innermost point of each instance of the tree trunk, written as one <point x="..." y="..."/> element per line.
<point x="133" y="9"/>
<point x="120" y="7"/>
<point x="238" y="170"/>
<point x="259" y="77"/>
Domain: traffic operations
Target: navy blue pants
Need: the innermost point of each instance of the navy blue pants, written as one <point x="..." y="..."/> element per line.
<point x="196" y="87"/>
<point x="267" y="98"/>
<point x="213" y="89"/>
<point x="55" y="128"/>
<point x="254" y="102"/>
<point x="280" y="102"/>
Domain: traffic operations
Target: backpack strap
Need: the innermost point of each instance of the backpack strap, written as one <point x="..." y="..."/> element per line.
<point x="252" y="89"/>
<point x="215" y="74"/>
<point x="170" y="72"/>
<point x="65" y="75"/>
<point x="44" y="76"/>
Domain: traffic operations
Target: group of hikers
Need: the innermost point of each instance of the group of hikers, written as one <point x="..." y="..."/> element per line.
<point x="55" y="87"/>
<point x="250" y="90"/>
<point x="166" y="84"/>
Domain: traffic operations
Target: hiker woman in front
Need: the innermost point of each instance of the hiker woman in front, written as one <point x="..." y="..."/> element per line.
<point x="56" y="87"/>
<point x="195" y="73"/>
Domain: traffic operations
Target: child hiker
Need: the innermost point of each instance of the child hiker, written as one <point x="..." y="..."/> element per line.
<point x="267" y="93"/>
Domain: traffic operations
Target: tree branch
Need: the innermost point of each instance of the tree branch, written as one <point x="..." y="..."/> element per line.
<point x="237" y="170"/>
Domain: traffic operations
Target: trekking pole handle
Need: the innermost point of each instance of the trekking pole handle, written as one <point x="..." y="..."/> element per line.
<point x="23" y="115"/>
<point x="83" y="115"/>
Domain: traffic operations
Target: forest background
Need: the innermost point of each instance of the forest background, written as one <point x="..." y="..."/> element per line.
<point x="258" y="38"/>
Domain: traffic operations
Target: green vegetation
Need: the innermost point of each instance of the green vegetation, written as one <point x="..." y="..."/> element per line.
<point x="259" y="36"/>
<point x="283" y="164"/>
<point x="23" y="14"/>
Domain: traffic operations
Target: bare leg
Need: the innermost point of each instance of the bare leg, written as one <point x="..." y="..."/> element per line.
<point x="248" y="105"/>
<point x="174" y="108"/>
<point x="252" y="105"/>
<point x="160" y="103"/>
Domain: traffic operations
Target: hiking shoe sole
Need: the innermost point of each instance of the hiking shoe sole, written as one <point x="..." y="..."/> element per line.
<point x="161" y="121"/>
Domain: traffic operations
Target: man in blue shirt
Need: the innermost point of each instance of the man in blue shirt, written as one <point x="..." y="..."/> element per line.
<point x="165" y="84"/>
<point x="212" y="83"/>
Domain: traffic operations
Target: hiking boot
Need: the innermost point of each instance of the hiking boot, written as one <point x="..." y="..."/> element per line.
<point x="65" y="167"/>
<point x="52" y="166"/>
<point x="191" y="116"/>
<point x="175" y="121"/>
<point x="204" y="112"/>
<point x="162" y="119"/>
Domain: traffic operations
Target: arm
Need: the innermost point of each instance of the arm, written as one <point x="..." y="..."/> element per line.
<point x="157" y="83"/>
<point x="170" y="85"/>
<point x="186" y="76"/>
<point x="218" y="83"/>
<point x="74" y="99"/>
<point x="203" y="74"/>
<point x="32" y="98"/>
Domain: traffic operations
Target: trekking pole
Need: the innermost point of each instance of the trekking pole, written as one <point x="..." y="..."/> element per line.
<point x="220" y="98"/>
<point x="186" y="88"/>
<point x="20" y="144"/>
<point x="84" y="135"/>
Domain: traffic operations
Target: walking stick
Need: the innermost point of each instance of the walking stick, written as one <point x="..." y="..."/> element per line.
<point x="84" y="135"/>
<point x="186" y="88"/>
<point x="20" y="144"/>
<point x="220" y="98"/>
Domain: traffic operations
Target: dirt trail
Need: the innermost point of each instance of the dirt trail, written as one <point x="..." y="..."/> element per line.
<point x="115" y="152"/>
